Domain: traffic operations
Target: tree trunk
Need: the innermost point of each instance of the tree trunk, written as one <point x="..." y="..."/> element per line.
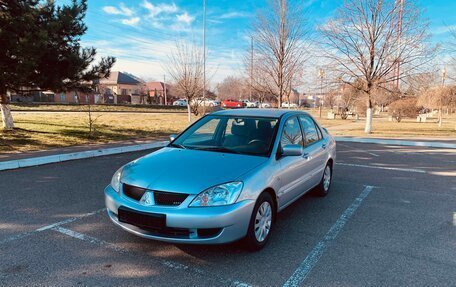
<point x="440" y="117"/>
<point x="7" y="117"/>
<point x="368" y="128"/>
<point x="189" y="111"/>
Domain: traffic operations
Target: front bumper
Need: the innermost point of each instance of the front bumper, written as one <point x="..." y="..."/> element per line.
<point x="232" y="220"/>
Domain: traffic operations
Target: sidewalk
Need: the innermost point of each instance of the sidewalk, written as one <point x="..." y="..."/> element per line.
<point x="74" y="149"/>
<point x="402" y="141"/>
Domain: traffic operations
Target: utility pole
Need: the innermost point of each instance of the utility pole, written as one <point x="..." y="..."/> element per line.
<point x="397" y="67"/>
<point x="164" y="89"/>
<point x="251" y="68"/>
<point x="204" y="49"/>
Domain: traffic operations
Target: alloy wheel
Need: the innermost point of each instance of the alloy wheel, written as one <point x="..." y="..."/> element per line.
<point x="263" y="221"/>
<point x="327" y="178"/>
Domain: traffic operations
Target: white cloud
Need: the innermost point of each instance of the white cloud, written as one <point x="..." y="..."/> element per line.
<point x="111" y="10"/>
<point x="148" y="60"/>
<point x="231" y="15"/>
<point x="131" y="21"/>
<point x="185" y="18"/>
<point x="126" y="11"/>
<point x="122" y="10"/>
<point x="155" y="10"/>
<point x="443" y="29"/>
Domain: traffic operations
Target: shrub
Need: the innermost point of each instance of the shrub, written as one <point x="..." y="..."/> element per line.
<point x="403" y="108"/>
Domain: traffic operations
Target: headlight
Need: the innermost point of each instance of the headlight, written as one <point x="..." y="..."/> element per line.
<point x="223" y="194"/>
<point x="115" y="181"/>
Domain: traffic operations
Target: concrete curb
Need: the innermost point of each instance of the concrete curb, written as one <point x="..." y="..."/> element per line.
<point x="396" y="142"/>
<point x="35" y="161"/>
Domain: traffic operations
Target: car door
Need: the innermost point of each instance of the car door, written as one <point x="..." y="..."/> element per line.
<point x="294" y="170"/>
<point x="314" y="148"/>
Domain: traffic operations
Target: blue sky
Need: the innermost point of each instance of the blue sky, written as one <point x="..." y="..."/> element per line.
<point x="140" y="33"/>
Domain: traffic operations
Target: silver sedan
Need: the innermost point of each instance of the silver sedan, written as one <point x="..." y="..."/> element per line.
<point x="224" y="178"/>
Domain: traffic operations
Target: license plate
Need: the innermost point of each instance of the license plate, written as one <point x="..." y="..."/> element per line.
<point x="144" y="220"/>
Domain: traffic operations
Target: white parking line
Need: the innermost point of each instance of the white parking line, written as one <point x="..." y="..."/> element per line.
<point x="50" y="226"/>
<point x="371" y="153"/>
<point x="382" y="167"/>
<point x="87" y="238"/>
<point x="358" y="150"/>
<point x="166" y="263"/>
<point x="312" y="258"/>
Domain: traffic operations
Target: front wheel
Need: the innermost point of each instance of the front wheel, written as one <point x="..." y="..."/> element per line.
<point x="261" y="223"/>
<point x="325" y="183"/>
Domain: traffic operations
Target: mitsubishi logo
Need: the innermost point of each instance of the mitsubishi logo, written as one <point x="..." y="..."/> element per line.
<point x="147" y="199"/>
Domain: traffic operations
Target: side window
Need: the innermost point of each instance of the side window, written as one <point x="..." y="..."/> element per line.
<point x="291" y="133"/>
<point x="311" y="132"/>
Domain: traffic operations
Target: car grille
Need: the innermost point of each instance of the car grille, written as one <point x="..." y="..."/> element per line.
<point x="169" y="198"/>
<point x="133" y="191"/>
<point x="161" y="197"/>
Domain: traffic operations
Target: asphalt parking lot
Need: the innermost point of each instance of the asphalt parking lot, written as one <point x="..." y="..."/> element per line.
<point x="390" y="220"/>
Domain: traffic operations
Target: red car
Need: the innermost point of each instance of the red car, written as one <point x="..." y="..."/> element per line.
<point x="232" y="104"/>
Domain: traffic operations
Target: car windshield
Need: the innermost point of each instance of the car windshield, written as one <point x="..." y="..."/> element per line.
<point x="230" y="134"/>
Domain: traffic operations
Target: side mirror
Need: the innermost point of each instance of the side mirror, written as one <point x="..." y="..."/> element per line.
<point x="172" y="137"/>
<point x="292" y="150"/>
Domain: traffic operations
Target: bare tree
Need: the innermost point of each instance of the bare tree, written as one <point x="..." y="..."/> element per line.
<point x="438" y="98"/>
<point x="370" y="39"/>
<point x="452" y="49"/>
<point x="232" y="88"/>
<point x="383" y="97"/>
<point x="185" y="67"/>
<point x="280" y="49"/>
<point x="331" y="98"/>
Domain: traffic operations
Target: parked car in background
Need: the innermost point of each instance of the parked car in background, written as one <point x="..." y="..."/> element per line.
<point x="217" y="103"/>
<point x="232" y="104"/>
<point x="249" y="104"/>
<point x="180" y="103"/>
<point x="203" y="102"/>
<point x="237" y="169"/>
<point x="266" y="105"/>
<point x="289" y="105"/>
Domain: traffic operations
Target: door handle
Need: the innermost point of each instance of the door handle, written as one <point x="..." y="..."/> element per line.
<point x="305" y="155"/>
<point x="323" y="146"/>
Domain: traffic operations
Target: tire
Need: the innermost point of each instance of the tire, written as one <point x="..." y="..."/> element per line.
<point x="324" y="186"/>
<point x="253" y="240"/>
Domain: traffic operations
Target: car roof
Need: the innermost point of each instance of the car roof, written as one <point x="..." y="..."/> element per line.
<point x="270" y="113"/>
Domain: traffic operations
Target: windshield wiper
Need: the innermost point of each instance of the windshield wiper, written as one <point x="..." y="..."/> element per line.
<point x="178" y="145"/>
<point x="218" y="148"/>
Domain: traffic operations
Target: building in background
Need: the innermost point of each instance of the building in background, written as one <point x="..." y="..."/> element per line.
<point x="156" y="92"/>
<point x="120" y="87"/>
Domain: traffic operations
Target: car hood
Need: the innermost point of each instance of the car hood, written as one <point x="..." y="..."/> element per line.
<point x="187" y="171"/>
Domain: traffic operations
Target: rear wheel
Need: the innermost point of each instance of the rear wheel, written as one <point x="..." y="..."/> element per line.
<point x="261" y="223"/>
<point x="325" y="183"/>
